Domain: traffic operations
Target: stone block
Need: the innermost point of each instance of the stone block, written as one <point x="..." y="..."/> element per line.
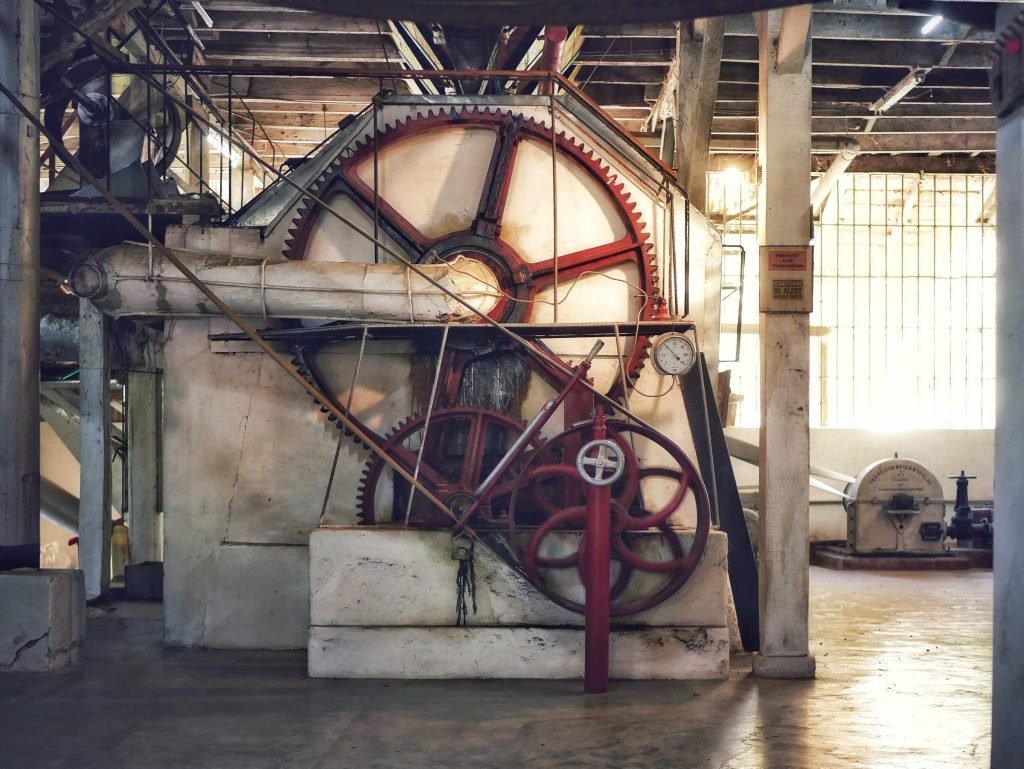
<point x="144" y="581"/>
<point x="370" y="577"/>
<point x="42" y="622"/>
<point x="513" y="652"/>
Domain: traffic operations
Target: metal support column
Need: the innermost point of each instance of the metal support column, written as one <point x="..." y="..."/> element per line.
<point x="19" y="290"/>
<point x="94" y="407"/>
<point x="1008" y="560"/>
<point x="784" y="128"/>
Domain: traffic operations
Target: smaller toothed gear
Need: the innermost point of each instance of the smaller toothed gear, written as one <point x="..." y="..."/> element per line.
<point x="463" y="445"/>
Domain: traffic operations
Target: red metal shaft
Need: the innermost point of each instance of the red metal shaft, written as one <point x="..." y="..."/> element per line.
<point x="598" y="598"/>
<point x="532" y="430"/>
<point x="551" y="60"/>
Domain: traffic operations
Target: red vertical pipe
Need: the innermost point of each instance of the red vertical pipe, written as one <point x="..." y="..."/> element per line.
<point x="598" y="598"/>
<point x="551" y="60"/>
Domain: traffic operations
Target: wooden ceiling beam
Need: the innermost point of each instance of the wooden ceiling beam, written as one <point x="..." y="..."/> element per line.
<point x="298" y="47"/>
<point x="895" y="164"/>
<point x="290" y="119"/>
<point x="623" y="75"/>
<point x="872" y="143"/>
<point x="263" y="22"/>
<point x="838" y="25"/>
<point x="273" y="109"/>
<point x="743" y="92"/>
<point x="849" y="126"/>
<point x="324" y="90"/>
<point x="845" y="76"/>
<point x="863" y="53"/>
<point x="872" y="53"/>
<point x="827" y="24"/>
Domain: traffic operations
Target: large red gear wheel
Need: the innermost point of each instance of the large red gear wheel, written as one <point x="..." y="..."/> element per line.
<point x="548" y="499"/>
<point x="519" y="279"/>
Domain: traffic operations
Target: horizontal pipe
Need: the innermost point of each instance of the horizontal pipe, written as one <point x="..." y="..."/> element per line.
<point x="119" y="282"/>
<point x="847" y="153"/>
<point x="58" y="505"/>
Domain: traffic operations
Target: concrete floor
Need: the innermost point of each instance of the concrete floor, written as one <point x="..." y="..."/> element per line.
<point x="904" y="666"/>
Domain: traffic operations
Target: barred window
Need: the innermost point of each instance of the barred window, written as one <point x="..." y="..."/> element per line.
<point x="903" y="330"/>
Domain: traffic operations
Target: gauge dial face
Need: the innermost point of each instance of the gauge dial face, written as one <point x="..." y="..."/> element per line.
<point x="674" y="354"/>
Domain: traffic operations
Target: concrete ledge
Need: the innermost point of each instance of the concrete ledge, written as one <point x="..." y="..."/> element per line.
<point x="784" y="667"/>
<point x="364" y="576"/>
<point x="842" y="558"/>
<point x="512" y="652"/>
<point x="42" y="619"/>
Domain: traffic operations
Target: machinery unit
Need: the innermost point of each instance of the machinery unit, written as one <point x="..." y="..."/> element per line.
<point x="507" y="306"/>
<point x="896" y="506"/>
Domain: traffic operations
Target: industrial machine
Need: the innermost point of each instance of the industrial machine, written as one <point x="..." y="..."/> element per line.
<point x="896" y="505"/>
<point x="504" y="299"/>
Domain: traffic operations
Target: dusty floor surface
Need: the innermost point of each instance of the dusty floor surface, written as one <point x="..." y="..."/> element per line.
<point x="904" y="665"/>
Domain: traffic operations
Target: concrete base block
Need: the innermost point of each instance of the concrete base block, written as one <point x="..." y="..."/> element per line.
<point x="366" y="576"/>
<point x="784" y="667"/>
<point x="382" y="605"/>
<point x="42" y="619"/>
<point x="512" y="652"/>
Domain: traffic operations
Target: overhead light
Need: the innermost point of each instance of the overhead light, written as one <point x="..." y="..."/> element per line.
<point x="209" y="22"/>
<point x="219" y="144"/>
<point x="931" y="24"/>
<point x="898" y="91"/>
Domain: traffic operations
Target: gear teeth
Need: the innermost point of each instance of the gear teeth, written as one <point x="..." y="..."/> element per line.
<point x="487" y="115"/>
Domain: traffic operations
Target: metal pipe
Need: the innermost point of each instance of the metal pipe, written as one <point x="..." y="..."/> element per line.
<point x="19" y="291"/>
<point x="551" y="58"/>
<point x="119" y="282"/>
<point x="846" y="153"/>
<point x="58" y="506"/>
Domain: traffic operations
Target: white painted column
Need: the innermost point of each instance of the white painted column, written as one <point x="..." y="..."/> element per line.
<point x="784" y="132"/>
<point x="1008" y="629"/>
<point x="143" y="424"/>
<point x="94" y="455"/>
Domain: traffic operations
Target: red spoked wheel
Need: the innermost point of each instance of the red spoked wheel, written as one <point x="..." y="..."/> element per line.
<point x="462" y="446"/>
<point x="475" y="184"/>
<point x="547" y="521"/>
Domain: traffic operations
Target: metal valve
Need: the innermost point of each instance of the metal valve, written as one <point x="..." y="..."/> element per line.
<point x="601" y="462"/>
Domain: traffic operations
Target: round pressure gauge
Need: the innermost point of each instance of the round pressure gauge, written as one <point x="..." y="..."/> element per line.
<point x="674" y="354"/>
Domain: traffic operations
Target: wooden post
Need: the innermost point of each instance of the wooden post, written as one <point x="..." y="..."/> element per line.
<point x="700" y="62"/>
<point x="784" y="126"/>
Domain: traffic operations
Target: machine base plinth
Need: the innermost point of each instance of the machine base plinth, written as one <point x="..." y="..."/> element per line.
<point x="783" y="667"/>
<point x="842" y="558"/>
<point x="382" y="605"/>
<point x="513" y="652"/>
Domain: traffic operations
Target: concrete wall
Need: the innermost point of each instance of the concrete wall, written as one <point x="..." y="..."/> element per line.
<point x="247" y="457"/>
<point x="944" y="452"/>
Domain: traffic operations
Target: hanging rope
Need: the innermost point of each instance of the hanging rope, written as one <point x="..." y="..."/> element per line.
<point x="465" y="581"/>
